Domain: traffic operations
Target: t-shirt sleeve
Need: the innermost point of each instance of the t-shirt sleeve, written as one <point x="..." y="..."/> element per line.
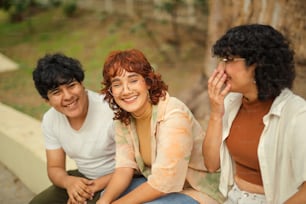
<point x="51" y="141"/>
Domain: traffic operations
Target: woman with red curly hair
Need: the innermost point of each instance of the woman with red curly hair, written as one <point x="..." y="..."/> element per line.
<point x="158" y="140"/>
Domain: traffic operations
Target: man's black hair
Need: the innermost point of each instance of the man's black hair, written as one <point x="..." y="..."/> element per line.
<point x="54" y="70"/>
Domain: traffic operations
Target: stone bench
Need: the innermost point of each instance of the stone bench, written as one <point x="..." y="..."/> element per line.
<point x="22" y="148"/>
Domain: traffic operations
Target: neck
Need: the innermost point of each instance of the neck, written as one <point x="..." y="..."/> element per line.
<point x="146" y="112"/>
<point x="251" y="95"/>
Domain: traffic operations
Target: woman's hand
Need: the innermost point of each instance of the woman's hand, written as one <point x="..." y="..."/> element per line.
<point x="217" y="90"/>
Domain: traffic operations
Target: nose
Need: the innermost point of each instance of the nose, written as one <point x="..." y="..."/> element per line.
<point x="66" y="93"/>
<point x="126" y="88"/>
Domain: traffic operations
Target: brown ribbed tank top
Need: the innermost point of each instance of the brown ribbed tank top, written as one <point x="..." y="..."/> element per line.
<point x="244" y="138"/>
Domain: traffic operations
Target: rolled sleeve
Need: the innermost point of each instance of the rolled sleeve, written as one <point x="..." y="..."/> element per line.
<point x="173" y="150"/>
<point x="125" y="154"/>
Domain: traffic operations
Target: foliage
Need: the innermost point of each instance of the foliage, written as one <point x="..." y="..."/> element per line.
<point x="17" y="8"/>
<point x="51" y="34"/>
<point x="89" y="38"/>
<point x="202" y="5"/>
<point x="55" y="3"/>
<point x="171" y="7"/>
<point x="70" y="7"/>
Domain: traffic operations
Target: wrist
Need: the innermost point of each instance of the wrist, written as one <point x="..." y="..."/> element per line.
<point x="67" y="181"/>
<point x="216" y="116"/>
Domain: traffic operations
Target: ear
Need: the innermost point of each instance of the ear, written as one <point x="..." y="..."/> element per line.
<point x="82" y="85"/>
<point x="46" y="101"/>
<point x="148" y="82"/>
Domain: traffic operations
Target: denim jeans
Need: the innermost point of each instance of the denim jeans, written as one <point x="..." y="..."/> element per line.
<point x="237" y="196"/>
<point x="175" y="198"/>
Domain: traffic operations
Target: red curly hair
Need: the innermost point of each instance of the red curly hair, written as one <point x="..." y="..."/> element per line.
<point x="131" y="60"/>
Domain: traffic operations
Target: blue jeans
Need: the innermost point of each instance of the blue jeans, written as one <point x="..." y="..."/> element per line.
<point x="235" y="195"/>
<point x="175" y="198"/>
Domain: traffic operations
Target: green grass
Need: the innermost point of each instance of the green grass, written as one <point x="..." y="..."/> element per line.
<point x="50" y="32"/>
<point x="87" y="37"/>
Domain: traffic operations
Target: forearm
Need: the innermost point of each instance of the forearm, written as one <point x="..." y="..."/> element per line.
<point x="102" y="182"/>
<point x="142" y="194"/>
<point x="119" y="182"/>
<point x="298" y="197"/>
<point x="58" y="176"/>
<point x="212" y="142"/>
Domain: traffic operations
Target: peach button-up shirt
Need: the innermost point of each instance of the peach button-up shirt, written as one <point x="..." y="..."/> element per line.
<point x="177" y="160"/>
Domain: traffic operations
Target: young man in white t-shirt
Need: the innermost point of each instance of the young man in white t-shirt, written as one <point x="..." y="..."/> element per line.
<point x="79" y="125"/>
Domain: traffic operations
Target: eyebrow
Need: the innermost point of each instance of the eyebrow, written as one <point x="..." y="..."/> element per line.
<point x="133" y="75"/>
<point x="129" y="76"/>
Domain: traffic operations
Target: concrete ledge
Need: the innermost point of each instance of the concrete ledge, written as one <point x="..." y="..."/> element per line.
<point x="7" y="64"/>
<point x="22" y="148"/>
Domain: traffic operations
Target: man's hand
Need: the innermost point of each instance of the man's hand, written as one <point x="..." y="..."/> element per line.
<point x="79" y="190"/>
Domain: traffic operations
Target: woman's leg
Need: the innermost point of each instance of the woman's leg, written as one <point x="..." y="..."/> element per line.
<point x="175" y="198"/>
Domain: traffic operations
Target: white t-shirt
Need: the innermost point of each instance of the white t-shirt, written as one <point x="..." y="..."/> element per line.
<point x="93" y="146"/>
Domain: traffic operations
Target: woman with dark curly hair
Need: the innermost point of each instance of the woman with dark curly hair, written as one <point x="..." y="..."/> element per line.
<point x="157" y="139"/>
<point x="256" y="131"/>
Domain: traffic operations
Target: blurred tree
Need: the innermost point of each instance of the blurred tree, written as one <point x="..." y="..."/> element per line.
<point x="17" y="9"/>
<point x="70" y="7"/>
<point x="171" y="7"/>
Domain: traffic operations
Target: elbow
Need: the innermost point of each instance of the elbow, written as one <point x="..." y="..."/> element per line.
<point x="211" y="167"/>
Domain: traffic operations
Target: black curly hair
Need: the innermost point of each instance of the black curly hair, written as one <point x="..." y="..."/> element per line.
<point x="265" y="47"/>
<point x="54" y="70"/>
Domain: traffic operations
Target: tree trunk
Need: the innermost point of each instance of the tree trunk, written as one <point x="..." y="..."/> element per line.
<point x="289" y="17"/>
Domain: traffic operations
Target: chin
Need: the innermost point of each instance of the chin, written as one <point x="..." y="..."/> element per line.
<point x="129" y="109"/>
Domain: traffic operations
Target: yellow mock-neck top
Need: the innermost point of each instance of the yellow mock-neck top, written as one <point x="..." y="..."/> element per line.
<point x="143" y="128"/>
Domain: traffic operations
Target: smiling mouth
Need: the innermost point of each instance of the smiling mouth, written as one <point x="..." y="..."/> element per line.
<point x="71" y="105"/>
<point x="129" y="99"/>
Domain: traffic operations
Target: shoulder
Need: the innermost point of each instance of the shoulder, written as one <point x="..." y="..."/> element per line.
<point x="99" y="109"/>
<point x="97" y="100"/>
<point x="52" y="119"/>
<point x="95" y="96"/>
<point x="172" y="106"/>
<point x="171" y="102"/>
<point x="287" y="101"/>
<point x="51" y="115"/>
